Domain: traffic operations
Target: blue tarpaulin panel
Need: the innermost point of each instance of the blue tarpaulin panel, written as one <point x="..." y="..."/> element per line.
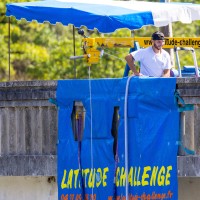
<point x="153" y="127"/>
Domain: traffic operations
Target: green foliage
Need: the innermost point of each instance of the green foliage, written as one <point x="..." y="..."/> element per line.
<point x="42" y="51"/>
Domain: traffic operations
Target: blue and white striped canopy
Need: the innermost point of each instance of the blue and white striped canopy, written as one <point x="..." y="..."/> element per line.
<point x="107" y="15"/>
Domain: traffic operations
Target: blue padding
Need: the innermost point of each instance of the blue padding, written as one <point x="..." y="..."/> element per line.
<point x="152" y="136"/>
<point x="188" y="69"/>
<point x="153" y="129"/>
<point x="96" y="150"/>
<point x="67" y="163"/>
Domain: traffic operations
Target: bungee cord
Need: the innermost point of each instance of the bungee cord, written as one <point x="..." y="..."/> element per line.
<point x="91" y="128"/>
<point x="126" y="133"/>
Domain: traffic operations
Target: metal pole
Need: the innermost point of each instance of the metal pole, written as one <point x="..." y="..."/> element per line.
<point x="74" y="51"/>
<point x="167" y="30"/>
<point x="9" y="48"/>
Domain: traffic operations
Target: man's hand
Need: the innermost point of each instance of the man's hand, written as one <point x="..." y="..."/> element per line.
<point x="166" y="73"/>
<point x="137" y="74"/>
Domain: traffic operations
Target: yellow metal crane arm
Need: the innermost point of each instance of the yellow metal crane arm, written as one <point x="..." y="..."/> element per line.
<point x="92" y="53"/>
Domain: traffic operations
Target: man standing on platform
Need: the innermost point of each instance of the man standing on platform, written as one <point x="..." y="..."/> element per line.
<point x="154" y="61"/>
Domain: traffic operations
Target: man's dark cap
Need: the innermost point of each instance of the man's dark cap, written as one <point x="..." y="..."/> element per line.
<point x="158" y="36"/>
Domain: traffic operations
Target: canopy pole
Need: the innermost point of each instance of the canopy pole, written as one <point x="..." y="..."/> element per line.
<point x="132" y="33"/>
<point x="168" y="32"/>
<point x="74" y="52"/>
<point x="9" y="48"/>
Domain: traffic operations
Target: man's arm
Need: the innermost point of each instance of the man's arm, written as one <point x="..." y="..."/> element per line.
<point x="166" y="73"/>
<point x="130" y="61"/>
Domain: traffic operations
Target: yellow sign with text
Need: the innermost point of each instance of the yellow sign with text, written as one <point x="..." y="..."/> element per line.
<point x="171" y="42"/>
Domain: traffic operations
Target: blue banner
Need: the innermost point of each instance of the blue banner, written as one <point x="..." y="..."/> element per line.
<point x="153" y="130"/>
<point x="94" y="165"/>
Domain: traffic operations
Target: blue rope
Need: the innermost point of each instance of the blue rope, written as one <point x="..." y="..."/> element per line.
<point x="183" y="107"/>
<point x="188" y="151"/>
<point x="53" y="101"/>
